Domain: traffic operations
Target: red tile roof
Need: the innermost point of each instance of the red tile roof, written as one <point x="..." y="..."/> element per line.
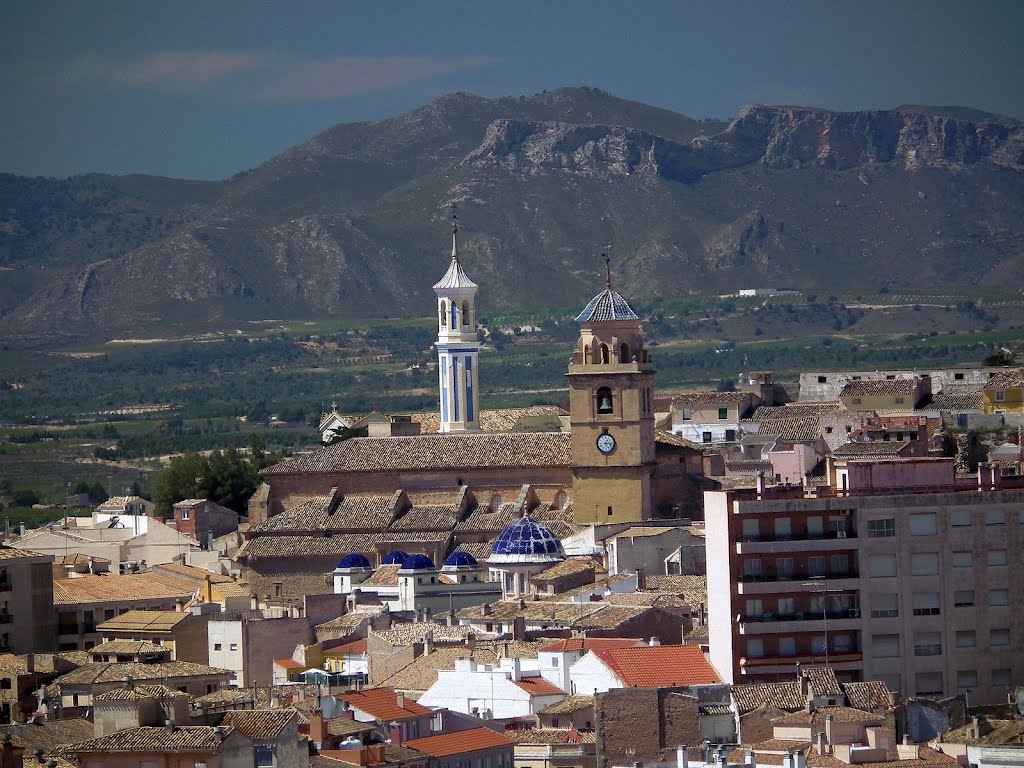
<point x="590" y="644"/>
<point x="538" y="686"/>
<point x="382" y="704"/>
<point x="473" y="740"/>
<point x="288" y="663"/>
<point x="659" y="666"/>
<point x="356" y="646"/>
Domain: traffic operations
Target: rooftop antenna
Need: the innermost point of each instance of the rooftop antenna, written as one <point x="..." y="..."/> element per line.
<point x="607" y="271"/>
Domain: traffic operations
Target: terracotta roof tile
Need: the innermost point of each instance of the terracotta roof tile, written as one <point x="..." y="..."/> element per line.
<point x="12" y="553"/>
<point x="47" y="735"/>
<point x="590" y="644"/>
<point x="538" y="686"/>
<point x="259" y="723"/>
<point x="382" y="704"/>
<point x="568" y="705"/>
<point x="354" y="647"/>
<point x="659" y="666"/>
<point x="1011" y="378"/>
<point x="866" y="695"/>
<point x="187" y="738"/>
<point x="140" y="693"/>
<point x="876" y="449"/>
<point x="109" y="672"/>
<point x="957" y="401"/>
<point x="144" y="621"/>
<point x="472" y="740"/>
<point x="552" y="736"/>
<point x="880" y="388"/>
<point x="568" y="567"/>
<point x="96" y="588"/>
<point x="710" y="397"/>
<point x="126" y="647"/>
<point x="447" y="451"/>
<point x="839" y="714"/>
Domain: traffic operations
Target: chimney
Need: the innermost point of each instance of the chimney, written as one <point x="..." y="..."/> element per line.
<point x="799" y="676"/>
<point x="169" y="725"/>
<point x="787" y="760"/>
<point x="485" y="609"/>
<point x="395" y="734"/>
<point x="317" y="730"/>
<point x="682" y="757"/>
<point x="428" y="641"/>
<point x="822" y="740"/>
<point x="519" y="628"/>
<point x="641" y="580"/>
<point x="400" y="700"/>
<point x="829" y="721"/>
<point x="471" y="641"/>
<point x="760" y="484"/>
<point x="750" y="759"/>
<point x="30" y="663"/>
<point x="654" y="642"/>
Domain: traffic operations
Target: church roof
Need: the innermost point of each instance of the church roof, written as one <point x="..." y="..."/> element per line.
<point x="443" y="451"/>
<point x="607" y="305"/>
<point x="456" y="276"/>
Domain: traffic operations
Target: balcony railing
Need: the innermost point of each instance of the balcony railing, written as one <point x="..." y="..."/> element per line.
<point x="927" y="650"/>
<point x="849" y="573"/>
<point x="850" y="534"/>
<point x="848" y="613"/>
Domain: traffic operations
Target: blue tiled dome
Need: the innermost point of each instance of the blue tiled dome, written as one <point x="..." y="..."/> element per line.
<point x="353" y="561"/>
<point x="527" y="541"/>
<point x="461" y="560"/>
<point x="394" y="558"/>
<point x="417" y="563"/>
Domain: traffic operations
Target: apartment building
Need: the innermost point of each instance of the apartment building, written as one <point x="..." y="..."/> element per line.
<point x="897" y="570"/>
<point x="26" y="601"/>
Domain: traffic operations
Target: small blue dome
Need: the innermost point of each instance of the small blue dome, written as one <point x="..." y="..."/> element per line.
<point x="394" y="558"/>
<point x="526" y="541"/>
<point x="461" y="560"/>
<point x="353" y="561"/>
<point x="417" y="563"/>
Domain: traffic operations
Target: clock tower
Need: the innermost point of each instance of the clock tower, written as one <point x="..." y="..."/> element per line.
<point x="612" y="414"/>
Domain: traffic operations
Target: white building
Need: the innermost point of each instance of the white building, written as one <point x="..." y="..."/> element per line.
<point x="514" y="688"/>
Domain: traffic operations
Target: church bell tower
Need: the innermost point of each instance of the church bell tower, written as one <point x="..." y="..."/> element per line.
<point x="457" y="346"/>
<point x="612" y="414"/>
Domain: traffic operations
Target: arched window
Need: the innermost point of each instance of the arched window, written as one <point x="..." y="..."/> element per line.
<point x="495" y="505"/>
<point x="559" y="500"/>
<point x="603" y="400"/>
<point x="624" y="353"/>
<point x="586" y="354"/>
<point x="605" y="358"/>
<point x="444" y="314"/>
<point x="465" y="313"/>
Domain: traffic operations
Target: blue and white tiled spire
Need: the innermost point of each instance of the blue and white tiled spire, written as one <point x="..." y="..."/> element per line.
<point x="457" y="346"/>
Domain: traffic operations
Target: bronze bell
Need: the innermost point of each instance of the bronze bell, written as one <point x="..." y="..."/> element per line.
<point x="604" y="405"/>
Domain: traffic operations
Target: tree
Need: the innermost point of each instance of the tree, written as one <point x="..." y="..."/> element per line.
<point x="224" y="477"/>
<point x="1003" y="357"/>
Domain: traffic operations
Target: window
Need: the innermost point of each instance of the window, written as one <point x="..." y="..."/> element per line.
<point x="967" y="678"/>
<point x="963" y="598"/>
<point x="751" y="529"/>
<point x="963" y="559"/>
<point x="923" y="525"/>
<point x="687" y="414"/>
<point x="998" y="597"/>
<point x="5" y="683"/>
<point x="554" y="662"/>
<point x="1000" y="678"/>
<point x="881" y="565"/>
<point x="705" y="437"/>
<point x="840" y="566"/>
<point x="184" y="514"/>
<point x="234" y="646"/>
<point x="624" y="353"/>
<point x="996" y="557"/>
<point x="927" y="644"/>
<point x="610" y="513"/>
<point x="995" y="517"/>
<point x="883" y="528"/>
<point x="755" y="647"/>
<point x="924" y="564"/>
<point x="929" y="683"/>
<point x="723" y="413"/>
<point x="856" y="401"/>
<point x="885" y="646"/>
<point x="899" y="401"/>
<point x="730" y="434"/>
<point x="822" y="379"/>
<point x="605" y="355"/>
<point x="217" y="646"/>
<point x="1000" y="395"/>
<point x="960" y="518"/>
<point x="885" y="606"/>
<point x="926" y="604"/>
<point x="842" y="643"/>
<point x="816" y="566"/>
<point x="999" y="637"/>
<point x="966" y="639"/>
<point x="444" y="314"/>
<point x="787" y="646"/>
<point x="785" y="567"/>
<point x="819" y="645"/>
<point x="786" y="606"/>
<point x="752" y="568"/>
<point x="603" y="399"/>
<point x="783" y="528"/>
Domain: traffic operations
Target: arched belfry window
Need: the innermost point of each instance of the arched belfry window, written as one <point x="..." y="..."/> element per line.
<point x="559" y="500"/>
<point x="495" y="505"/>
<point x="624" y="353"/>
<point x="465" y="313"/>
<point x="603" y="400"/>
<point x="605" y="357"/>
<point x="444" y="314"/>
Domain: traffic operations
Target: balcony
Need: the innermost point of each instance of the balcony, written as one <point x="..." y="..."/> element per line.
<point x="807" y="542"/>
<point x="775" y="665"/>
<point x="762" y="583"/>
<point x="799" y="621"/>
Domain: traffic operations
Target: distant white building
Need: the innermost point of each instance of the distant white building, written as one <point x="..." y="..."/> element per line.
<point x="513" y="688"/>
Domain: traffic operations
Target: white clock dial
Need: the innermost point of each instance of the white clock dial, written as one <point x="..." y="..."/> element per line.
<point x="605" y="443"/>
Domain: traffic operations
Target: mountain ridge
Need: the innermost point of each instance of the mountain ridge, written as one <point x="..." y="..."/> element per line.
<point x="351" y="222"/>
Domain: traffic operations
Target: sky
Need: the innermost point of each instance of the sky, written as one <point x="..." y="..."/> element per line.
<point x="204" y="90"/>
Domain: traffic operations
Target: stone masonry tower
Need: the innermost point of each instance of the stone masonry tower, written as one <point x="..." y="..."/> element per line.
<point x="612" y="414"/>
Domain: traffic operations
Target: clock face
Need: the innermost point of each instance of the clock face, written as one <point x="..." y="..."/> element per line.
<point x="605" y="443"/>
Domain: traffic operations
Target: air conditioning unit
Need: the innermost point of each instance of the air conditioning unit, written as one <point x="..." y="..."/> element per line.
<point x="855" y="613"/>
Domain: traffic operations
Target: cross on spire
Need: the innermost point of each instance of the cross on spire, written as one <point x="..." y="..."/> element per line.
<point x="607" y="271"/>
<point x="455" y="233"/>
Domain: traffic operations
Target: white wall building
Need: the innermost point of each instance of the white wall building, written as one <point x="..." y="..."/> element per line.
<point x="514" y="688"/>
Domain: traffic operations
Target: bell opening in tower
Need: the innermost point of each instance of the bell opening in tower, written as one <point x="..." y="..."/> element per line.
<point x="604" y="401"/>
